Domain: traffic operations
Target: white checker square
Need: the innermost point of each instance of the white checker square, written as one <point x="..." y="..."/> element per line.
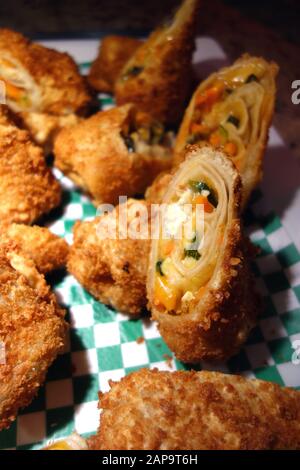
<point x="279" y="239"/>
<point x="134" y="354"/>
<point x="59" y="393"/>
<point x="114" y="375"/>
<point x="164" y="365"/>
<point x="86" y="417"/>
<point x="290" y="374"/>
<point x="84" y="362"/>
<point x="81" y="316"/>
<point x="58" y="228"/>
<point x="107" y="334"/>
<point x="272" y="328"/>
<point x="285" y="300"/>
<point x="259" y="355"/>
<point x="256" y="233"/>
<point x="293" y="274"/>
<point x="73" y="211"/>
<point x="268" y="264"/>
<point x="150" y="329"/>
<point x="31" y="428"/>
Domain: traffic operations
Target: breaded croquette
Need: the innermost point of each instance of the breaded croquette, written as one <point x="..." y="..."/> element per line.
<point x="32" y="331"/>
<point x="112" y="269"/>
<point x="158" y="77"/>
<point x="156" y="410"/>
<point x="48" y="251"/>
<point x="28" y="188"/>
<point x="40" y="79"/>
<point x="114" y="52"/>
<point x="113" y="153"/>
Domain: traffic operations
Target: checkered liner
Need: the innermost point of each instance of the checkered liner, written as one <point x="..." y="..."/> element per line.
<point x="107" y="345"/>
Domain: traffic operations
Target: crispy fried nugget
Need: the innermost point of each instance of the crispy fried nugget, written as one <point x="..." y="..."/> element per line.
<point x="32" y="331"/>
<point x="115" y="152"/>
<point x="114" y="52"/>
<point x="27" y="187"/>
<point x="48" y="251"/>
<point x="157" y="78"/>
<point x="156" y="410"/>
<point x="113" y="270"/>
<point x="40" y="79"/>
<point x="200" y="286"/>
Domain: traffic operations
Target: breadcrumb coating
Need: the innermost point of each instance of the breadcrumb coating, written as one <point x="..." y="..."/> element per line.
<point x="156" y="410"/>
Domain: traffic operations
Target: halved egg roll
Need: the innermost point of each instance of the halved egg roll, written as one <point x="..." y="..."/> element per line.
<point x="159" y="410"/>
<point x="114" y="53"/>
<point x="199" y="285"/>
<point x="157" y="78"/>
<point x="115" y="152"/>
<point x="40" y="79"/>
<point x="232" y="110"/>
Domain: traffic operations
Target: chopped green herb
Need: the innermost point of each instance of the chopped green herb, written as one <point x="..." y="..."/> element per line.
<point x="223" y="132"/>
<point x="129" y="142"/>
<point x="199" y="186"/>
<point x="158" y="267"/>
<point x="252" y="78"/>
<point x="234" y="120"/>
<point x="192" y="254"/>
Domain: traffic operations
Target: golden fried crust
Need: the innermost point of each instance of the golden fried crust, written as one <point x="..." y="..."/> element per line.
<point x="114" y="52"/>
<point x="155" y="193"/>
<point x="63" y="90"/>
<point x="32" y="329"/>
<point x="113" y="270"/>
<point x="48" y="251"/>
<point x="218" y="330"/>
<point x="156" y="410"/>
<point x="44" y="127"/>
<point x="27" y="187"/>
<point x="94" y="155"/>
<point x="163" y="85"/>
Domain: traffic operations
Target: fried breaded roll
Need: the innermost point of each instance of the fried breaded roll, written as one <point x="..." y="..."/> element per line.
<point x="115" y="152"/>
<point x="113" y="268"/>
<point x="153" y="410"/>
<point x="27" y="187"/>
<point x="199" y="282"/>
<point x="114" y="52"/>
<point x="32" y="331"/>
<point x="232" y="110"/>
<point x="40" y="79"/>
<point x="48" y="251"/>
<point x="158" y="76"/>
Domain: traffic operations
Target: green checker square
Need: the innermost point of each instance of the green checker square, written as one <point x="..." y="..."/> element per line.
<point x="297" y="292"/>
<point x="291" y="321"/>
<point x="268" y="308"/>
<point x="281" y="350"/>
<point x="255" y="336"/>
<point x="288" y="255"/>
<point x="85" y="388"/>
<point x="60" y="422"/>
<point x="103" y="314"/>
<point x="269" y="373"/>
<point x="75" y="197"/>
<point x="130" y="330"/>
<point x="271" y="223"/>
<point x="82" y="338"/>
<point x="38" y="404"/>
<point x="8" y="437"/>
<point x="276" y="282"/>
<point x="109" y="358"/>
<point x="79" y="296"/>
<point x="157" y="350"/>
<point x="69" y="225"/>
<point x="239" y="363"/>
<point x="61" y="368"/>
<point x="88" y="210"/>
<point x="180" y="365"/>
<point x="129" y="370"/>
<point x="265" y="247"/>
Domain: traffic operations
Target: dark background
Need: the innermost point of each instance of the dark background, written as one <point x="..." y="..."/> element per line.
<point x="54" y="17"/>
